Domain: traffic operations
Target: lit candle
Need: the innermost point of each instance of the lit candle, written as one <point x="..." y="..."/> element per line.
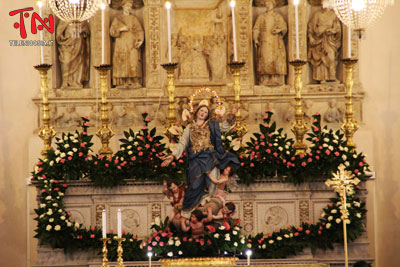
<point x="296" y="23"/>
<point x="40" y="5"/>
<point x="103" y="8"/>
<point x="168" y="7"/>
<point x="348" y="42"/>
<point x="149" y="254"/>
<point x="248" y="253"/>
<point x="233" y="3"/>
<point x="104" y="223"/>
<point x="119" y="223"/>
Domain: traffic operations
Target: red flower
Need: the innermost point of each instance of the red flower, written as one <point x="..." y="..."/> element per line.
<point x="69" y="158"/>
<point x="208" y="242"/>
<point x="173" y="164"/>
<point x="317" y="114"/>
<point x="40" y="169"/>
<point x="140" y="153"/>
<point x="301" y="156"/>
<point x="144" y="128"/>
<point x="80" y="154"/>
<point x="184" y="238"/>
<point x="211" y="228"/>
<point x="82" y="144"/>
<point x="134" y="236"/>
<point x="296" y="234"/>
<point x="227" y="226"/>
<point x="202" y="242"/>
<point x="252" y="164"/>
<point x="269" y="235"/>
<point x="337" y="154"/>
<point x="241" y="164"/>
<point x="309" y="223"/>
<point x="327" y="152"/>
<point x="56" y="189"/>
<point x="43" y="190"/>
<point x="119" y="167"/>
<point x="147" y="145"/>
<point x="268" y="150"/>
<point x="133" y="158"/>
<point x="309" y="159"/>
<point x="275" y="154"/>
<point x="163" y="234"/>
<point x="303" y="164"/>
<point x="319" y="233"/>
<point x="356" y="171"/>
<point x="317" y="157"/>
<point x="149" y="248"/>
<point x="86" y="117"/>
<point x="92" y="236"/>
<point x="161" y="243"/>
<point x="44" y="177"/>
<point x="237" y="221"/>
<point x="106" y="165"/>
<point x="315" y="129"/>
<point x="62" y="160"/>
<point x="300" y="229"/>
<point x="360" y="164"/>
<point x="123" y="232"/>
<point x="84" y="133"/>
<point x="86" y="124"/>
<point x="80" y="237"/>
<point x="157" y="238"/>
<point x="307" y="232"/>
<point x="92" y="228"/>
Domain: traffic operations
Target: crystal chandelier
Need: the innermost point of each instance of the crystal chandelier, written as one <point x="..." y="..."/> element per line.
<point x="357" y="14"/>
<point x="74" y="11"/>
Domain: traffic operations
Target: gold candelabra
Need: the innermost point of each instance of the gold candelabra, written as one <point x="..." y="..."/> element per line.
<point x="104" y="132"/>
<point x="120" y="261"/>
<point x="104" y="262"/>
<point x="240" y="127"/>
<point x="343" y="183"/>
<point x="349" y="125"/>
<point x="47" y="131"/>
<point x="170" y="68"/>
<point x="299" y="127"/>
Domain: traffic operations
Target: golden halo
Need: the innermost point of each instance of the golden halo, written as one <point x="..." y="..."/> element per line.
<point x="202" y="91"/>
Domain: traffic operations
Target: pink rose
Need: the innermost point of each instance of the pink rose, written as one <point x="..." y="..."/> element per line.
<point x="327" y="152"/>
<point x="144" y="128"/>
<point x="62" y="160"/>
<point x="82" y="144"/>
<point x="154" y="243"/>
<point x="133" y="158"/>
<point x="69" y="158"/>
<point x="161" y="243"/>
<point x="84" y="133"/>
<point x="95" y="163"/>
<point x="140" y="153"/>
<point x="80" y="154"/>
<point x="252" y="164"/>
<point x="92" y="236"/>
<point x="299" y="229"/>
<point x="86" y="117"/>
<point x="106" y="165"/>
<point x="296" y="234"/>
<point x="315" y="129"/>
<point x="56" y="189"/>
<point x="360" y="164"/>
<point x="303" y="164"/>
<point x="337" y="154"/>
<point x="307" y="232"/>
<point x="268" y="150"/>
<point x="262" y="136"/>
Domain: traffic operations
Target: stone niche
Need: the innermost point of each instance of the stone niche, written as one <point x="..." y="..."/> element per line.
<point x="202" y="44"/>
<point x="261" y="207"/>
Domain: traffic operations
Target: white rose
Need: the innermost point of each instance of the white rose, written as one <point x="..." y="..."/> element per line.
<point x="326" y="139"/>
<point x="41" y="216"/>
<point x="170" y="254"/>
<point x="271" y="241"/>
<point x="355" y="156"/>
<point x="286" y="235"/>
<point x="280" y="148"/>
<point x="235" y="244"/>
<point x="344" y="157"/>
<point x="69" y="224"/>
<point x="65" y="138"/>
<point x="216" y="235"/>
<point x="264" y="246"/>
<point x="76" y="135"/>
<point x="129" y="147"/>
<point x="330" y="148"/>
<point x="275" y="144"/>
<point x="70" y="153"/>
<point x="279" y="238"/>
<point x="57" y="152"/>
<point x="63" y="155"/>
<point x="334" y="211"/>
<point x="229" y="138"/>
<point x="338" y="220"/>
<point x="122" y="148"/>
<point x="323" y="214"/>
<point x="62" y="217"/>
<point x="76" y="225"/>
<point x="57" y="227"/>
<point x="312" y="145"/>
<point x="130" y="152"/>
<point x="170" y="242"/>
<point x="136" y="143"/>
<point x="347" y="164"/>
<point x="348" y="221"/>
<point x="177" y="243"/>
<point x="242" y="241"/>
<point x="60" y="193"/>
<point x="287" y="152"/>
<point x="55" y="205"/>
<point x="51" y="220"/>
<point x="157" y="221"/>
<point x="51" y="163"/>
<point x="48" y="197"/>
<point x="227" y="237"/>
<point x="49" y="212"/>
<point x="358" y="215"/>
<point x="346" y="148"/>
<point x="66" y="146"/>
<point x="58" y="159"/>
<point x="48" y="227"/>
<point x="328" y="225"/>
<point x="75" y="141"/>
<point x="60" y="210"/>
<point x="324" y="145"/>
<point x="221" y="228"/>
<point x="234" y="232"/>
<point x="180" y="252"/>
<point x="122" y="158"/>
<point x="335" y="141"/>
<point x="223" y="137"/>
<point x="357" y="204"/>
<point x="291" y="235"/>
<point x="130" y="139"/>
<point x="42" y="205"/>
<point x="330" y="218"/>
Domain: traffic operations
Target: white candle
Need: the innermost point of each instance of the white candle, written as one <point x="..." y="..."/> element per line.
<point x="233" y="3"/>
<point x="168" y="7"/>
<point x="149" y="254"/>
<point x="103" y="7"/>
<point x="119" y="223"/>
<point x="248" y="259"/>
<point x="296" y="23"/>
<point x="348" y="42"/>
<point x="104" y="223"/>
<point x="40" y="5"/>
<point x="248" y="253"/>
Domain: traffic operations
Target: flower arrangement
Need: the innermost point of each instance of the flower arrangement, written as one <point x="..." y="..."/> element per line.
<point x="268" y="153"/>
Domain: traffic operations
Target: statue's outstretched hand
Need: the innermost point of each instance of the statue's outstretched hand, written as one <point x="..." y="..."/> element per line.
<point x="167" y="160"/>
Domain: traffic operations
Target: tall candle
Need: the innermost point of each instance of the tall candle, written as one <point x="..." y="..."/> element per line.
<point x="296" y="23"/>
<point x="119" y="223"/>
<point x="104" y="223"/>
<point x="40" y="5"/>
<point x="233" y="3"/>
<point x="168" y="7"/>
<point x="103" y="7"/>
<point x="348" y="42"/>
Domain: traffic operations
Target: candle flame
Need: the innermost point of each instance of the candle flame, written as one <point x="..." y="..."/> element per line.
<point x="296" y="2"/>
<point x="103" y="6"/>
<point x="39" y="4"/>
<point x="232" y="3"/>
<point x="168" y="5"/>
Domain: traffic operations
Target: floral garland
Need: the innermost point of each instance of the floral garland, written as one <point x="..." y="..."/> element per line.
<point x="268" y="153"/>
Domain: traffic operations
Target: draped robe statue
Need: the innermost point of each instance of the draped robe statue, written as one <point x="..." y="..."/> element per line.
<point x="129" y="37"/>
<point x="73" y="49"/>
<point x="324" y="40"/>
<point x="268" y="33"/>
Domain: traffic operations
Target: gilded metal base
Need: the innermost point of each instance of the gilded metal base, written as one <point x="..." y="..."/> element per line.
<point x="104" y="262"/>
<point x="170" y="68"/>
<point x="236" y="66"/>
<point x="206" y="261"/>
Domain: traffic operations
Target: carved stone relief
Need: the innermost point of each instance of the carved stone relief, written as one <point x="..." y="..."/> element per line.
<point x="248" y="217"/>
<point x="155" y="211"/>
<point x="334" y="113"/>
<point x="275" y="217"/>
<point x="304" y="210"/>
<point x="131" y="220"/>
<point x="98" y="217"/>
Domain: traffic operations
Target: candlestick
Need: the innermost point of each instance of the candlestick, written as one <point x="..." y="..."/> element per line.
<point x="168" y="7"/>
<point x="149" y="254"/>
<point x="103" y="7"/>
<point x="233" y="3"/>
<point x="120" y="251"/>
<point x="119" y="223"/>
<point x="40" y="5"/>
<point x="296" y="23"/>
<point x="348" y="42"/>
<point x="104" y="223"/>
<point x="248" y="253"/>
<point x="104" y="262"/>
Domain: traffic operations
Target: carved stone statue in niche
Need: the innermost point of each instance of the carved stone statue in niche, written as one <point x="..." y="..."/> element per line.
<point x="333" y="113"/>
<point x="217" y="53"/>
<point x="324" y="40"/>
<point x="268" y="33"/>
<point x="129" y="36"/>
<point x="73" y="49"/>
<point x="192" y="57"/>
